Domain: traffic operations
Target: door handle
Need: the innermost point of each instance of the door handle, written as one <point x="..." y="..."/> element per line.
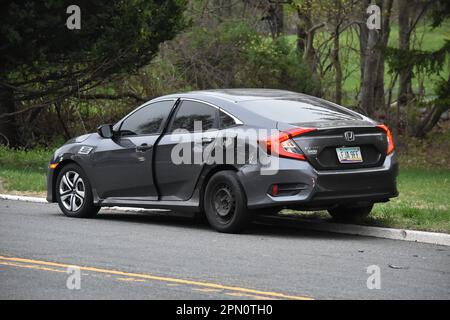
<point x="143" y="147"/>
<point x="207" y="140"/>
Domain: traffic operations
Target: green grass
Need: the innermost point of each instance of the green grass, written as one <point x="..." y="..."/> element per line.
<point x="22" y="170"/>
<point x="423" y="204"/>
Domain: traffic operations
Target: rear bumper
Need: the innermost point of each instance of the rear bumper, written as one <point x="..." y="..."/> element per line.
<point x="321" y="189"/>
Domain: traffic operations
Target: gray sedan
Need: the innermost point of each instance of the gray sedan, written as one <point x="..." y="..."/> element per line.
<point x="228" y="155"/>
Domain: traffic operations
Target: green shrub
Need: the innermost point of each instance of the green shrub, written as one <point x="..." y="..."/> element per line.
<point x="234" y="55"/>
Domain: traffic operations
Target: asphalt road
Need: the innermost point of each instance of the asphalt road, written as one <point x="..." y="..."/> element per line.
<point x="153" y="256"/>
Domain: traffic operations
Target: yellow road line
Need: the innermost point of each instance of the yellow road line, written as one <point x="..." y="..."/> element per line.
<point x="238" y="294"/>
<point x="157" y="278"/>
<point x="30" y="267"/>
<point x="131" y="279"/>
<point x="206" y="290"/>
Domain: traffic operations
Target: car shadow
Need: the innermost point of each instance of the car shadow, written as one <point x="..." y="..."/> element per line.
<point x="262" y="225"/>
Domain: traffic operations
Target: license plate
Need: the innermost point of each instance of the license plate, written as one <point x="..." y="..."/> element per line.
<point x="349" y="155"/>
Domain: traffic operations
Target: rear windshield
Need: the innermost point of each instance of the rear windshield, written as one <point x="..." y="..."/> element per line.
<point x="298" y="111"/>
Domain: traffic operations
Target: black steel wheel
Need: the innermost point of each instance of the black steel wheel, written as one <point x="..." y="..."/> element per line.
<point x="225" y="203"/>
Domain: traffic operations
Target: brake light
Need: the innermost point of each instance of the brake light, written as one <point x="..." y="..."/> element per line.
<point x="281" y="144"/>
<point x="390" y="139"/>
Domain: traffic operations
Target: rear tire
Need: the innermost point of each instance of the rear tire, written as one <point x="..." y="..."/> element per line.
<point x="225" y="203"/>
<point x="74" y="193"/>
<point x="348" y="213"/>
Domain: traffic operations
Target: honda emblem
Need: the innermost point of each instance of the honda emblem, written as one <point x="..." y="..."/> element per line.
<point x="349" y="136"/>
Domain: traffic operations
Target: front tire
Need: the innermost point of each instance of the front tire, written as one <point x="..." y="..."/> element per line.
<point x="225" y="203"/>
<point x="74" y="193"/>
<point x="350" y="213"/>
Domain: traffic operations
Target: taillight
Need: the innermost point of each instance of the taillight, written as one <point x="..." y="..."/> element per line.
<point x="390" y="139"/>
<point x="281" y="144"/>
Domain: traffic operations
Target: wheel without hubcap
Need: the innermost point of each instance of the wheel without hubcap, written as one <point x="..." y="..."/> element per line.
<point x="225" y="203"/>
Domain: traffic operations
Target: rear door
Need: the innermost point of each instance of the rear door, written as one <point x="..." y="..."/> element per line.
<point x="123" y="165"/>
<point x="180" y="154"/>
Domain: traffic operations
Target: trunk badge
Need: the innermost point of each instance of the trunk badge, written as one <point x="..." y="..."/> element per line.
<point x="349" y="136"/>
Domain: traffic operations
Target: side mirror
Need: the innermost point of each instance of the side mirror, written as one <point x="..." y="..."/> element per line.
<point x="106" y="131"/>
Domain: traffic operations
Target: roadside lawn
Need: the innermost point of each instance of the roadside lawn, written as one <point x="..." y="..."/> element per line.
<point x="423" y="204"/>
<point x="23" y="172"/>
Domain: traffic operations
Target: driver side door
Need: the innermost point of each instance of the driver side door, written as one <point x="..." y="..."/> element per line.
<point x="123" y="165"/>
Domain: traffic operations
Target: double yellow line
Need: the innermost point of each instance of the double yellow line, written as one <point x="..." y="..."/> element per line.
<point x="53" y="266"/>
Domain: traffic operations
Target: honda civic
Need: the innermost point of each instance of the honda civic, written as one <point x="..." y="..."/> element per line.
<point x="229" y="155"/>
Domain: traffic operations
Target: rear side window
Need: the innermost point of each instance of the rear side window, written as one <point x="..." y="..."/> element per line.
<point x="295" y="111"/>
<point x="226" y="121"/>
<point x="190" y="112"/>
<point x="147" y="120"/>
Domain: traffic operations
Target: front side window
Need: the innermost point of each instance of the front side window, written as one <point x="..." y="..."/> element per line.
<point x="190" y="112"/>
<point x="147" y="120"/>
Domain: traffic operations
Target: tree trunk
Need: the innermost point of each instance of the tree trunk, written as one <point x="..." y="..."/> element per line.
<point x="442" y="104"/>
<point x="305" y="45"/>
<point x="369" y="74"/>
<point x="301" y="37"/>
<point x="8" y="126"/>
<point x="337" y="67"/>
<point x="430" y="121"/>
<point x="372" y="90"/>
<point x="363" y="38"/>
<point x="384" y="38"/>
<point x="275" y="19"/>
<point x="405" y="75"/>
<point x="66" y="131"/>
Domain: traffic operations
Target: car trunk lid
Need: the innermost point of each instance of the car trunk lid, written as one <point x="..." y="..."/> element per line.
<point x="319" y="146"/>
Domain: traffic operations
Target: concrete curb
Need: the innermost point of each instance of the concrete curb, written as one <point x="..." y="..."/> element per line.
<point x="377" y="232"/>
<point x="305" y="224"/>
<point x="22" y="198"/>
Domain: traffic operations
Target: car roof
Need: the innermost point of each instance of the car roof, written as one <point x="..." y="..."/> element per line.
<point x="238" y="95"/>
<point x="232" y="100"/>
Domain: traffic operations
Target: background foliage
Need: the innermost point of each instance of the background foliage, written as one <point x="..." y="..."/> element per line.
<point x="56" y="83"/>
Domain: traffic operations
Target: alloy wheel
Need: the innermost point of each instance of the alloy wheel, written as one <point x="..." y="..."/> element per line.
<point x="72" y="191"/>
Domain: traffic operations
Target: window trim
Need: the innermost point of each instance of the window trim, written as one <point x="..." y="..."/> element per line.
<point x="120" y="123"/>
<point x="237" y="121"/>
<point x="180" y="104"/>
<point x="233" y="118"/>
